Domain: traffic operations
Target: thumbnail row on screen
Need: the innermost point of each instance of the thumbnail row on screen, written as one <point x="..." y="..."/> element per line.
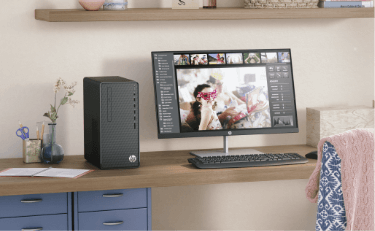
<point x="231" y="58"/>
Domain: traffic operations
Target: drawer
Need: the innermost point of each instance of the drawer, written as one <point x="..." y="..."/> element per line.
<point x="36" y="204"/>
<point x="48" y="222"/>
<point x="132" y="219"/>
<point x="112" y="199"/>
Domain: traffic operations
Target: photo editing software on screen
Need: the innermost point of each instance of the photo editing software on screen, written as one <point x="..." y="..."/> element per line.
<point x="200" y="91"/>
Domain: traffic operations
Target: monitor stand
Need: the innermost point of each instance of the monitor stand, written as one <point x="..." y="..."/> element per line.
<point x="225" y="151"/>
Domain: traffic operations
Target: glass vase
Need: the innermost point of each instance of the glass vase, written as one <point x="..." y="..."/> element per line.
<point x="52" y="152"/>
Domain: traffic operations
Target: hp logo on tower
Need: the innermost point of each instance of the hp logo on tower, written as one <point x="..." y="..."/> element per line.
<point x="230" y="133"/>
<point x="132" y="158"/>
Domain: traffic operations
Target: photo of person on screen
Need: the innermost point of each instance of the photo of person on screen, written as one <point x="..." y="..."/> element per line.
<point x="284" y="57"/>
<point x="236" y="97"/>
<point x="181" y="59"/>
<point x="204" y="106"/>
<point x="252" y="58"/>
<point x="202" y="115"/>
<point x="199" y="59"/>
<point x="216" y="59"/>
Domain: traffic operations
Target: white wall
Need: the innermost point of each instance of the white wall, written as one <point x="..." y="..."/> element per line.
<point x="333" y="64"/>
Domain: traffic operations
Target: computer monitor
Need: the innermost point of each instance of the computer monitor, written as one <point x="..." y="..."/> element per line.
<point x="224" y="93"/>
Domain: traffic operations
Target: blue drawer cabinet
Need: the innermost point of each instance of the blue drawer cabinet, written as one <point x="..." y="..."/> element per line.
<point x="127" y="209"/>
<point x="131" y="219"/>
<point x="37" y="211"/>
<point x="31" y="205"/>
<point x="112" y="199"/>
<point x="47" y="222"/>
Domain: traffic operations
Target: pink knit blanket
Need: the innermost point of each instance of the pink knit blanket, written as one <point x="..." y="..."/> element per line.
<point x="356" y="150"/>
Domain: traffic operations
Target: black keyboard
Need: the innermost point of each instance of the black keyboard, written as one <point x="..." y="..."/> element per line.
<point x="252" y="160"/>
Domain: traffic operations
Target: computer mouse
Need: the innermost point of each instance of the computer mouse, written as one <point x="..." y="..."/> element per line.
<point x="312" y="155"/>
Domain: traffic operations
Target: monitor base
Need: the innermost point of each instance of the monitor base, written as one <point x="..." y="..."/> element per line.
<point x="225" y="151"/>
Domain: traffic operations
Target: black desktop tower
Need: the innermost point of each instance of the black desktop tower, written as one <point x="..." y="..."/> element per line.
<point x="111" y="122"/>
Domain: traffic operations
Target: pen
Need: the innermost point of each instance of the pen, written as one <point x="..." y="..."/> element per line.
<point x="37" y="133"/>
<point x="42" y="133"/>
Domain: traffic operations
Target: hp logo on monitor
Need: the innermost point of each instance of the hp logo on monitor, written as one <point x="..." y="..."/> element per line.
<point x="230" y="133"/>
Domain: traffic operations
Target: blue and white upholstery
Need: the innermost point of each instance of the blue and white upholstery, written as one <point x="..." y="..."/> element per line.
<point x="331" y="208"/>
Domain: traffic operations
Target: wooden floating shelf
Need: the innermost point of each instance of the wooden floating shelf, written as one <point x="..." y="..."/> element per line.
<point x="166" y="14"/>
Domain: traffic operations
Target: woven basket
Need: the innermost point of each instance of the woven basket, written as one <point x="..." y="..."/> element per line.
<point x="277" y="4"/>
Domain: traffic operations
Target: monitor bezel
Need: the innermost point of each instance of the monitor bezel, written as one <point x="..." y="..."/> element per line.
<point x="226" y="132"/>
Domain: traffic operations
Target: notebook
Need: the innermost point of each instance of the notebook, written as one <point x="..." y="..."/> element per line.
<point x="44" y="172"/>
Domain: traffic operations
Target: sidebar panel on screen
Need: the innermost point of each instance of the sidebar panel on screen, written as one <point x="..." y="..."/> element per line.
<point x="167" y="105"/>
<point x="281" y="95"/>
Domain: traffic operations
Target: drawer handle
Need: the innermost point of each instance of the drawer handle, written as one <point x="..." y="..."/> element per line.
<point x="113" y="195"/>
<point x="34" y="229"/>
<point x="113" y="223"/>
<point x="31" y="201"/>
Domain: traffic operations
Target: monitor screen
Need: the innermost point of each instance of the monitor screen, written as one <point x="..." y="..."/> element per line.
<point x="221" y="93"/>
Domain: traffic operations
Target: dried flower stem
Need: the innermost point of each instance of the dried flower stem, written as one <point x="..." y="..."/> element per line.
<point x="69" y="91"/>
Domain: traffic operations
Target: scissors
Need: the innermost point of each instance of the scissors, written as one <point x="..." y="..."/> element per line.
<point x="21" y="133"/>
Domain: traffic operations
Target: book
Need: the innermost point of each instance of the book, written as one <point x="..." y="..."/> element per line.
<point x="45" y="172"/>
<point x="345" y="4"/>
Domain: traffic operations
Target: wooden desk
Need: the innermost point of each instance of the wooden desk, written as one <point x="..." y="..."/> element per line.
<point x="158" y="169"/>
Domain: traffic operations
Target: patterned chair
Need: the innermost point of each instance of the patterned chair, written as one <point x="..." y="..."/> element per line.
<point x="331" y="208"/>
